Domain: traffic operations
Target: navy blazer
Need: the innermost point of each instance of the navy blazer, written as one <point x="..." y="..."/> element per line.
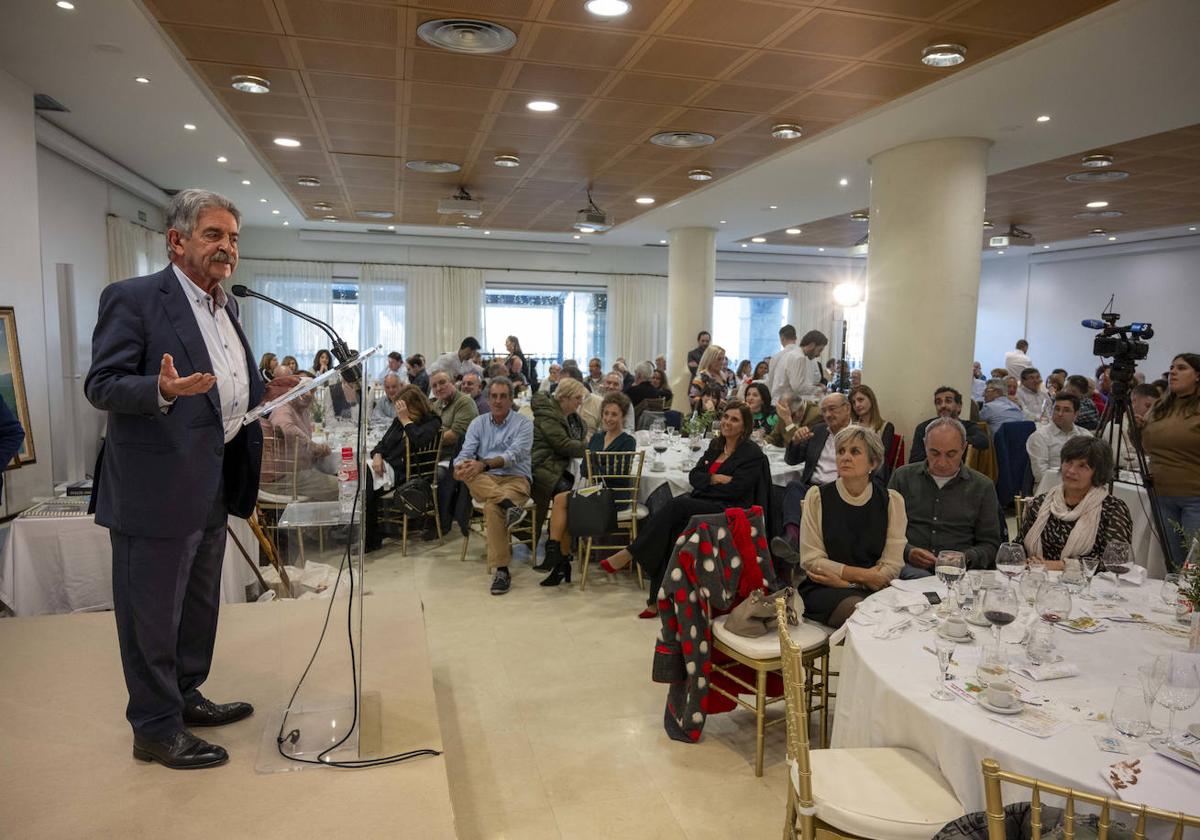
<point x="12" y="435"/>
<point x="158" y="472"/>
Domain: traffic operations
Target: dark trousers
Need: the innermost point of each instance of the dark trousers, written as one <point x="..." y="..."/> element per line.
<point x="656" y="537"/>
<point x="166" y="594"/>
<point x="793" y="498"/>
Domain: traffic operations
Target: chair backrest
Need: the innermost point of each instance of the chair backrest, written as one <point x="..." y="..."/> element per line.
<point x="621" y="472"/>
<point x="1012" y="459"/>
<point x="799" y="765"/>
<point x="422" y="463"/>
<point x="895" y="454"/>
<point x="993" y="776"/>
<point x="646" y="419"/>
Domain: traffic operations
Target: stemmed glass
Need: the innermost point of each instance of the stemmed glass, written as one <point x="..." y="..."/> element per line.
<point x="1053" y="603"/>
<point x="658" y="440"/>
<point x="1180" y="690"/>
<point x="1090" y="564"/>
<point x="945" y="650"/>
<point x="1130" y="715"/>
<point x="1010" y="559"/>
<point x="1000" y="608"/>
<point x="949" y="567"/>
<point x="1117" y="561"/>
<point x="1170" y="592"/>
<point x="1152" y="675"/>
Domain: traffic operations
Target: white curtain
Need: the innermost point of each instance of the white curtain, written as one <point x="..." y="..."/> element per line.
<point x="442" y="304"/>
<point x="307" y="286"/>
<point x="637" y="318"/>
<point x="811" y="307"/>
<point x="133" y="250"/>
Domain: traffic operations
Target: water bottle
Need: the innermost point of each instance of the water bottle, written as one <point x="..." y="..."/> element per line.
<point x="347" y="482"/>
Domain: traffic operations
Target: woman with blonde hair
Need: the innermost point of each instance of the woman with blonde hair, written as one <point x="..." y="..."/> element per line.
<point x="710" y="375"/>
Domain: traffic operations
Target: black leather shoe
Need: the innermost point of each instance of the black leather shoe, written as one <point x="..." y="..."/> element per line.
<point x="208" y="713"/>
<point x="783" y="550"/>
<point x="182" y="751"/>
<point x="502" y="581"/>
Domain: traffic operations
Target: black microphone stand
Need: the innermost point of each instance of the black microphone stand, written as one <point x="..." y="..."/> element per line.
<point x="340" y="350"/>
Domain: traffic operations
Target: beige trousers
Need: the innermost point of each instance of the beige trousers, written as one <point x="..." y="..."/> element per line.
<point x="490" y="490"/>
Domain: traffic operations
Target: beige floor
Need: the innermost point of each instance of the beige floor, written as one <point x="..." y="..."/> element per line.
<point x="551" y="723"/>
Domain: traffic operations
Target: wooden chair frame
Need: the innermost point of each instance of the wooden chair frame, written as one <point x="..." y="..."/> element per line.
<point x="617" y="469"/>
<point x="523" y="534"/>
<point x="993" y="777"/>
<point x="420" y="463"/>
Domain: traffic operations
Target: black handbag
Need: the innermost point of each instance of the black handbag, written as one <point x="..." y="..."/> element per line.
<point x="593" y="512"/>
<point x="414" y="497"/>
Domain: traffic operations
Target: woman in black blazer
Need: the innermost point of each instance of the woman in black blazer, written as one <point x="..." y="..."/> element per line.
<point x="415" y="423"/>
<point x="729" y="475"/>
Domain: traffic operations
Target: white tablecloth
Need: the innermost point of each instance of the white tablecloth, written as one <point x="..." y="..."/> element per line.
<point x="883" y="700"/>
<point x="64" y="565"/>
<point x="1146" y="550"/>
<point x="680" y="462"/>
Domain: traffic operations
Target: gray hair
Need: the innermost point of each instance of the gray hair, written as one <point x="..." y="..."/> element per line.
<point x="842" y="401"/>
<point x="946" y="422"/>
<point x="997" y="383"/>
<point x="391" y="375"/>
<point x="869" y="437"/>
<point x="503" y="382"/>
<point x="644" y="370"/>
<point x="186" y="205"/>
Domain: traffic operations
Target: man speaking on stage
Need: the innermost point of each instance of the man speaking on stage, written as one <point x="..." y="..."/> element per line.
<point x="175" y="373"/>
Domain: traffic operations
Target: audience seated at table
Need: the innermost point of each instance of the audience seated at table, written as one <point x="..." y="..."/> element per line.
<point x="643" y="387"/>
<point x="589" y="411"/>
<point x="414" y="427"/>
<point x="557" y="441"/>
<point x="289" y="454"/>
<point x="864" y="411"/>
<point x="1078" y="517"/>
<point x="472" y="386"/>
<point x="1046" y="442"/>
<point x="814" y="448"/>
<point x="998" y="407"/>
<point x="733" y="472"/>
<point x="384" y="410"/>
<point x="793" y="412"/>
<point x="949" y="506"/>
<point x="455" y="409"/>
<point x="416" y="372"/>
<point x="758" y="398"/>
<point x="947" y="402"/>
<point x="595" y="374"/>
<point x="288" y="366"/>
<point x="1087" y="417"/>
<point x="711" y="376"/>
<point x="1031" y="396"/>
<point x="1172" y="440"/>
<point x="852" y="534"/>
<point x="611" y="437"/>
<point x="267" y="365"/>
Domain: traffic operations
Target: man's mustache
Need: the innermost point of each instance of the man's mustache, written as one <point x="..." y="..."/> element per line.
<point x="221" y="257"/>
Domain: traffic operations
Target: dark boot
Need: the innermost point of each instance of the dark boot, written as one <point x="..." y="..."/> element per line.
<point x="552" y="557"/>
<point x="560" y="572"/>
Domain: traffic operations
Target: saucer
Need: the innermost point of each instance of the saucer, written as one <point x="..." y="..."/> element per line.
<point x="1014" y="709"/>
<point x="1194" y="729"/>
<point x="966" y="637"/>
<point x="977" y="620"/>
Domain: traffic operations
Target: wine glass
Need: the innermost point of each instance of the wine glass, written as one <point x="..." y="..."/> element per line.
<point x="1000" y="608"/>
<point x="1180" y="690"/>
<point x="1053" y="603"/>
<point x="945" y="649"/>
<point x="658" y="440"/>
<point x="1130" y="715"/>
<point x="1153" y="674"/>
<point x="1170" y="591"/>
<point x="949" y="567"/>
<point x="1031" y="582"/>
<point x="1010" y="559"/>
<point x="1117" y="561"/>
<point x="1090" y="563"/>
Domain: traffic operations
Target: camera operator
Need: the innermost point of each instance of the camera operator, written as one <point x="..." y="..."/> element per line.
<point x="1171" y="439"/>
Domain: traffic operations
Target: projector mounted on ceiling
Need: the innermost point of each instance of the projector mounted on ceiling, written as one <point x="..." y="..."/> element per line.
<point x="461" y="204"/>
<point x="1015" y="238"/>
<point x="592" y="218"/>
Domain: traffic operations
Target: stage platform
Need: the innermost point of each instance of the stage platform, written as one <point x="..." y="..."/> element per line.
<point x="67" y="770"/>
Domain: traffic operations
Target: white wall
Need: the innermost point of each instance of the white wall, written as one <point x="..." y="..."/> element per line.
<point x="1044" y="296"/>
<point x="20" y="280"/>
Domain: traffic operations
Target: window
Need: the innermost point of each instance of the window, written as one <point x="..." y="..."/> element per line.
<point x="747" y="326"/>
<point x="552" y="324"/>
<point x="856" y="328"/>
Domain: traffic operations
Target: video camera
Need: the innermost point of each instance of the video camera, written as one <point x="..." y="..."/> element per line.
<point x="1125" y="345"/>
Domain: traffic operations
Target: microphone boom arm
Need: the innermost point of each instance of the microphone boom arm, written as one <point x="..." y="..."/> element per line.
<point x="340" y="350"/>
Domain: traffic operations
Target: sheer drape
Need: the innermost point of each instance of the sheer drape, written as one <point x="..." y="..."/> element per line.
<point x="442" y="304"/>
<point x="637" y="318"/>
<point x="811" y="307"/>
<point x="307" y="286"/>
<point x="133" y="250"/>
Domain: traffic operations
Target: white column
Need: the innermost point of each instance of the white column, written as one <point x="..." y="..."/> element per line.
<point x="927" y="205"/>
<point x="691" y="282"/>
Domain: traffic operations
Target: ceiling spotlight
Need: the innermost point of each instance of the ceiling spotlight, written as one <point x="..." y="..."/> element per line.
<point x="141" y="80"/>
<point x="644" y="199"/>
<point x="662" y="242"/>
<point x="699" y="175"/>
<point x="432" y="166"/>
<point x="250" y="84"/>
<point x="722" y="221"/>
<point x="542" y="106"/>
<point x="1096" y="205"/>
<point x="758" y="240"/>
<point x="860" y="216"/>
<point x="586" y="230"/>
<point x="607" y="8"/>
<point x="487" y="233"/>
<point x="682" y="139"/>
<point x="1097" y="161"/>
<point x="1192" y="228"/>
<point x="275" y="212"/>
<point x="64" y="4"/>
<point x="786" y="131"/>
<point x="286" y="223"/>
<point x="575" y="236"/>
<point x="189" y="126"/>
<point x="793" y="231"/>
<point x="308" y="181"/>
<point x="375" y="214"/>
<point x="287" y="142"/>
<point x="391" y="227"/>
<point x="507" y="161"/>
<point x="943" y="55"/>
<point x="1097" y="232"/>
<point x="245" y="182"/>
<point x="988" y="224"/>
<point x="1112" y="239"/>
<point x="1045" y="247"/>
<point x="467" y="36"/>
<point x="463" y="226"/>
<point x="820" y="249"/>
<point x="1044" y="118"/>
<point x="844" y="182"/>
<point x="322" y="205"/>
<point x="744" y="245"/>
<point x="330" y="218"/>
<point x="262" y="201"/>
<point x="222" y="159"/>
<point x="1001" y="253"/>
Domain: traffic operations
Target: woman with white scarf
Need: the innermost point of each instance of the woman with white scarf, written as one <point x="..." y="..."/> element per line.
<point x="1078" y="517"/>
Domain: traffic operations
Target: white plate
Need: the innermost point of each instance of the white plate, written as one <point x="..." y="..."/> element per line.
<point x="969" y="637"/>
<point x="1011" y="710"/>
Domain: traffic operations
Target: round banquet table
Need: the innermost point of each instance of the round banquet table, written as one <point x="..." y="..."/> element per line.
<point x="1146" y="550"/>
<point x="679" y="462"/>
<point x="883" y="699"/>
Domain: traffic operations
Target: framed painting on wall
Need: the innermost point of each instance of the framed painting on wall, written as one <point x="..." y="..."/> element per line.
<point x="12" y="383"/>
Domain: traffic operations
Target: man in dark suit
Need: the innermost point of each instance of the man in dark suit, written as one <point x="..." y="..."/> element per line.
<point x="948" y="402"/>
<point x="12" y="435"/>
<point x="175" y="373"/>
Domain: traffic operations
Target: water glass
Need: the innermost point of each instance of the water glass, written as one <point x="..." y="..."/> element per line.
<point x="1152" y="675"/>
<point x="1130" y="714"/>
<point x="993" y="665"/>
<point x="1041" y="649"/>
<point x="1031" y="582"/>
<point x="1090" y="564"/>
<point x="945" y="649"/>
<point x="1170" y="591"/>
<point x="1180" y="690"/>
<point x="1010" y="559"/>
<point x="1053" y="603"/>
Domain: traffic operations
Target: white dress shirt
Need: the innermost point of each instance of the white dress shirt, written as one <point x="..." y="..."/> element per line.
<point x="1033" y="403"/>
<point x="225" y="352"/>
<point x="1015" y="361"/>
<point x="454" y="367"/>
<point x="826" y="469"/>
<point x="777" y="381"/>
<point x="1045" y="448"/>
<point x="807" y="376"/>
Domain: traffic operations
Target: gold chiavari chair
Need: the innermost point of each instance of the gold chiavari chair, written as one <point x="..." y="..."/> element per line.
<point x="873" y="793"/>
<point x="1020" y="503"/>
<point x="993" y="777"/>
<point x="621" y="472"/>
<point x="523" y="534"/>
<point x="279" y="462"/>
<point x="418" y="463"/>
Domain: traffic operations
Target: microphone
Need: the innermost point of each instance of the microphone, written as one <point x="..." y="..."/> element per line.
<point x="1089" y="323"/>
<point x="339" y="348"/>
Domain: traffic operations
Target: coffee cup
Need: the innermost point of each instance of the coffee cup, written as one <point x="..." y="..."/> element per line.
<point x="955" y="627"/>
<point x="1001" y="694"/>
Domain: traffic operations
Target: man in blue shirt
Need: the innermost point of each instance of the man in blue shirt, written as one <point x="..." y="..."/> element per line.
<point x="998" y="409"/>
<point x="494" y="463"/>
<point x="12" y="435"/>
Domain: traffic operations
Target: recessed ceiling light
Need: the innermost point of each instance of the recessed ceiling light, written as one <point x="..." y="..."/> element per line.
<point x="722" y="221"/>
<point x="1097" y="232"/>
<point x="1112" y="239"/>
<point x="286" y="223"/>
<point x="330" y="218"/>
<point x="308" y="181"/>
<point x="391" y="227"/>
<point x="587" y="230"/>
<point x="245" y="182"/>
<point x="607" y="8"/>
<point x="262" y="201"/>
<point x="682" y="139"/>
<point x="772" y="206"/>
<point x="662" y="242"/>
<point x="1045" y="247"/>
<point x="507" y="161"/>
<point x="988" y="224"/>
<point x="699" y="175"/>
<point x="1044" y="118"/>
<point x="189" y="126"/>
<point x="1096" y="205"/>
<point x="1191" y="228"/>
<point x="287" y="142"/>
<point x="432" y="166"/>
<point x="1097" y="161"/>
<point x="463" y="35"/>
<point x="575" y="236"/>
<point x="744" y="245"/>
<point x="222" y="159"/>
<point x="1001" y="253"/>
<point x="141" y="80"/>
<point x="943" y="55"/>
<point x="487" y="233"/>
<point x="250" y="84"/>
<point x="375" y="214"/>
<point x="844" y="182"/>
<point x="758" y="240"/>
<point x="786" y="131"/>
<point x="275" y="212"/>
<point x="820" y="249"/>
<point x="64" y="4"/>
<point x="860" y="216"/>
<point x="793" y="231"/>
<point x="1094" y="176"/>
<point x="542" y="106"/>
<point x="463" y="226"/>
<point x="322" y="205"/>
<point x="644" y="199"/>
